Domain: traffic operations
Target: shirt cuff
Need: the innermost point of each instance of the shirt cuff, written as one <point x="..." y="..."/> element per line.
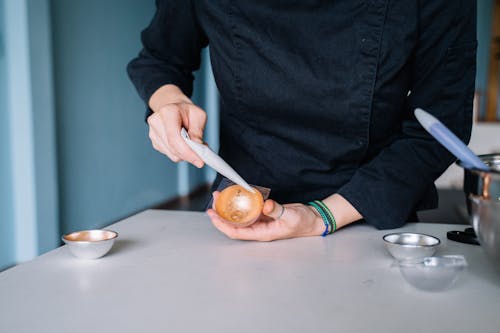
<point x="386" y="206"/>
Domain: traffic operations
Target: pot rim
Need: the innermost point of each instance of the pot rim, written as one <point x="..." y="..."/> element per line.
<point x="482" y="157"/>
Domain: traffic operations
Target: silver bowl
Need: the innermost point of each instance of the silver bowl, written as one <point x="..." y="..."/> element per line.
<point x="409" y="245"/>
<point x="482" y="194"/>
<point x="485" y="219"/>
<point x="90" y="244"/>
<point x="432" y="273"/>
<point x="481" y="183"/>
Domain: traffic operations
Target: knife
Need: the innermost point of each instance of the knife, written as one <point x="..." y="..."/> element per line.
<point x="215" y="161"/>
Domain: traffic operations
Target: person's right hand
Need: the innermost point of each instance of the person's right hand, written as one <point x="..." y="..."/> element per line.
<point x="165" y="129"/>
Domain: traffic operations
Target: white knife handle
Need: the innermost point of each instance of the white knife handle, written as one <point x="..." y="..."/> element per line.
<point x="215" y="161"/>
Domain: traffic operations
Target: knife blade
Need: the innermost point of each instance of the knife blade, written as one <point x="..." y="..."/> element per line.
<point x="215" y="161"/>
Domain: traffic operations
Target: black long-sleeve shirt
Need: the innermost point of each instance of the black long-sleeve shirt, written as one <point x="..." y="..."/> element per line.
<point x="317" y="97"/>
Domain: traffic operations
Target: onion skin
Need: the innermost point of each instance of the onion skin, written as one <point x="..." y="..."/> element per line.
<point x="239" y="207"/>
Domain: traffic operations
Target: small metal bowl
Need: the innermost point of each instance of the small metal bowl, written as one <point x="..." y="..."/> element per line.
<point x="432" y="273"/>
<point x="90" y="244"/>
<point x="408" y="245"/>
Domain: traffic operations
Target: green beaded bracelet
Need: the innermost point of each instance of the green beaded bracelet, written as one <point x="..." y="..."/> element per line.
<point x="330" y="215"/>
<point x="324" y="216"/>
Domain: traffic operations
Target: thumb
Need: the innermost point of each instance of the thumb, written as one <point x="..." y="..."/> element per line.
<point x="273" y="209"/>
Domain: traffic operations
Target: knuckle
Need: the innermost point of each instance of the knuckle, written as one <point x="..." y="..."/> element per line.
<point x="150" y="119"/>
<point x="167" y="108"/>
<point x="153" y="119"/>
<point x="198" y="111"/>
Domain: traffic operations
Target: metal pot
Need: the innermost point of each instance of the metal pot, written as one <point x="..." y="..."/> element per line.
<point x="485" y="218"/>
<point x="482" y="193"/>
<point x="480" y="183"/>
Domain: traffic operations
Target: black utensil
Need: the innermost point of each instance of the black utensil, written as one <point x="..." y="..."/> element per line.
<point x="467" y="236"/>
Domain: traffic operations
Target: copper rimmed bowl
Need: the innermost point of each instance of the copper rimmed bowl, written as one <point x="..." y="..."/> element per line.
<point x="485" y="219"/>
<point x="481" y="183"/>
<point x="90" y="244"/>
<point x="482" y="194"/>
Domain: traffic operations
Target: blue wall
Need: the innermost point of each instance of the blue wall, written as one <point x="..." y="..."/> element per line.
<point x="107" y="167"/>
<point x="202" y="87"/>
<point x="484" y="16"/>
<point x="6" y="227"/>
<point x="42" y="95"/>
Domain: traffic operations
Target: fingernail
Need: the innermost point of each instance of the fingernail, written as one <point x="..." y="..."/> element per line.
<point x="198" y="163"/>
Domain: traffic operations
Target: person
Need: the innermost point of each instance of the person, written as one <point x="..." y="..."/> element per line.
<point x="316" y="101"/>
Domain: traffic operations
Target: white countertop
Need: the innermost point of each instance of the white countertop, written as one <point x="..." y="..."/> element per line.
<point x="172" y="271"/>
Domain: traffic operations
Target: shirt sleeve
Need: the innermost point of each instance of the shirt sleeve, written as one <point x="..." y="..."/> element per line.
<point x="391" y="186"/>
<point x="171" y="51"/>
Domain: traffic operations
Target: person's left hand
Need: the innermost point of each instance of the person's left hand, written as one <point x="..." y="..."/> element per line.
<point x="277" y="222"/>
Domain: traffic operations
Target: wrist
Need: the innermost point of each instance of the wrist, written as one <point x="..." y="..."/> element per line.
<point x="165" y="95"/>
<point x="342" y="210"/>
<point x="326" y="215"/>
<point x="317" y="222"/>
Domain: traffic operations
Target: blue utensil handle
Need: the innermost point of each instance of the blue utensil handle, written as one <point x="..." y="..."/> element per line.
<point x="451" y="142"/>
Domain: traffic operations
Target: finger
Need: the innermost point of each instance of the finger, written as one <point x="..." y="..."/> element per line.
<point x="259" y="231"/>
<point x="151" y="118"/>
<point x="218" y="222"/>
<point x="197" y="121"/>
<point x="158" y="140"/>
<point x="157" y="132"/>
<point x="228" y="230"/>
<point x="273" y="209"/>
<point x="172" y="123"/>
<point x="215" y="195"/>
<point x="160" y="146"/>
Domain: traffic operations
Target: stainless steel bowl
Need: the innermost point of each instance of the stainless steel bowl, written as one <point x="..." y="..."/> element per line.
<point x="409" y="245"/>
<point x="482" y="194"/>
<point x="481" y="183"/>
<point x="90" y="244"/>
<point x="485" y="219"/>
<point x="432" y="273"/>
